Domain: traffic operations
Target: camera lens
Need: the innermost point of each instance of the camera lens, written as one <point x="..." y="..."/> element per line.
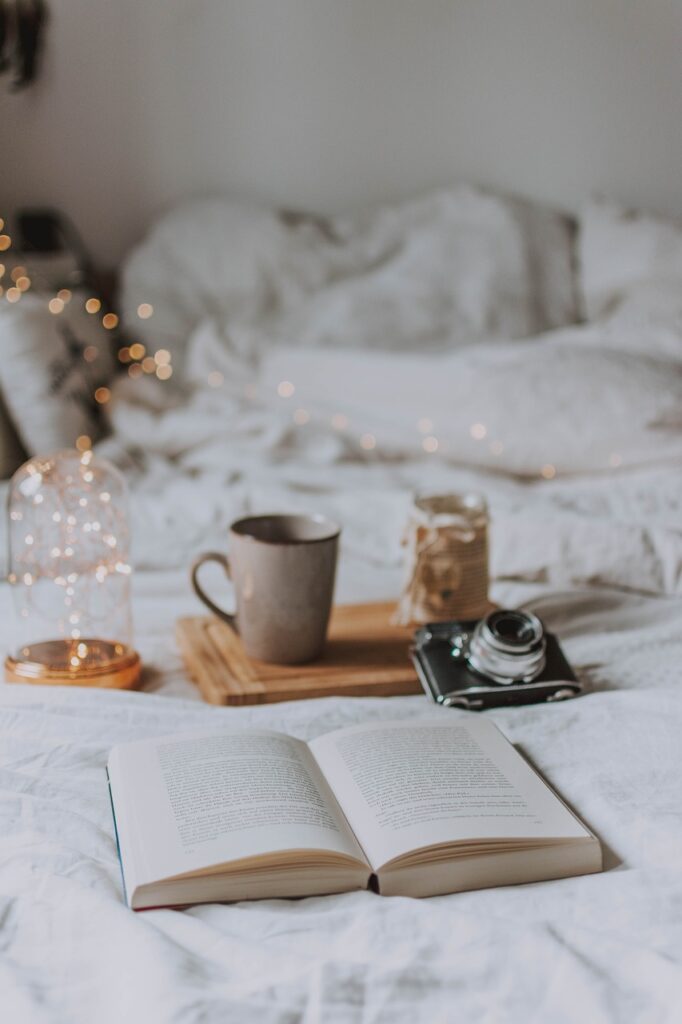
<point x="508" y="646"/>
<point x="512" y="627"/>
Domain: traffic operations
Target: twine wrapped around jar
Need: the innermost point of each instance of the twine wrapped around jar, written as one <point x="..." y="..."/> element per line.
<point x="446" y="565"/>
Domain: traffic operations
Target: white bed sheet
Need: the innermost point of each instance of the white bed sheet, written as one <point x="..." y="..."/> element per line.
<point x="599" y="948"/>
<point x="598" y="555"/>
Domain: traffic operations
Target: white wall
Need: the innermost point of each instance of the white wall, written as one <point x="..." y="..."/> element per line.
<point x="328" y="103"/>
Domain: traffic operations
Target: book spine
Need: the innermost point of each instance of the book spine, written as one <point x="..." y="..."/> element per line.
<point x="118" y="844"/>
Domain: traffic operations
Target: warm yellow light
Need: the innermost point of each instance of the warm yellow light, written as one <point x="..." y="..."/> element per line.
<point x="164" y="372"/>
<point x="93" y="305"/>
<point x="102" y="395"/>
<point x="109" y="320"/>
<point x="477" y="431"/>
<point x="162" y="357"/>
<point x="145" y="310"/>
<point x="135" y="371"/>
<point x="548" y="471"/>
<point x="64" y="294"/>
<point x="5" y="242"/>
<point x="124" y="354"/>
<point x="148" y="364"/>
<point x="285" y="389"/>
<point x="83" y="444"/>
<point x="23" y="283"/>
<point x="368" y="441"/>
<point x="137" y="351"/>
<point x="12" y="294"/>
<point x="430" y="443"/>
<point x="17" y="272"/>
<point x="90" y="353"/>
<point x="55" y="305"/>
<point x="2" y="269"/>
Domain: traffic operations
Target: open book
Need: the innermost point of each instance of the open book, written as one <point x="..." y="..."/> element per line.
<point x="411" y="808"/>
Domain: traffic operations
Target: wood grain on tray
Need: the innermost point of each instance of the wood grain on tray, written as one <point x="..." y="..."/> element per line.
<point x="365" y="656"/>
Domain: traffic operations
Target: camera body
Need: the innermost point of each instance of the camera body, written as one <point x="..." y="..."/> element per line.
<point x="504" y="659"/>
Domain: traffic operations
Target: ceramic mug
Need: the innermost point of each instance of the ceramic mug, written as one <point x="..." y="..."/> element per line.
<point x="282" y="568"/>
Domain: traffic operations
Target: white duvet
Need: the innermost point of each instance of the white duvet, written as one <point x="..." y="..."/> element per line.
<point x="596" y="550"/>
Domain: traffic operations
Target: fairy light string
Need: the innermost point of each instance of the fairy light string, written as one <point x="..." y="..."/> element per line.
<point x="69" y="565"/>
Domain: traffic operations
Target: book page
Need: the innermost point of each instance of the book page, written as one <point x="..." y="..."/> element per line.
<point x="184" y="803"/>
<point x="407" y="785"/>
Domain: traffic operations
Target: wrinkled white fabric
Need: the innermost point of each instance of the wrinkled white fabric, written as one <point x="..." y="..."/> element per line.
<point x="443" y="269"/>
<point x="602" y="948"/>
<point x="73" y="953"/>
<point x="621" y="251"/>
<point x="598" y="555"/>
<point x="223" y="452"/>
<point x="567" y="401"/>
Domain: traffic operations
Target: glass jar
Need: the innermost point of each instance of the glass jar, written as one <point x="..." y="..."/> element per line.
<point x="70" y="573"/>
<point x="446" y="563"/>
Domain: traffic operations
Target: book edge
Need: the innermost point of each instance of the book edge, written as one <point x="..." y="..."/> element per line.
<point x="126" y="898"/>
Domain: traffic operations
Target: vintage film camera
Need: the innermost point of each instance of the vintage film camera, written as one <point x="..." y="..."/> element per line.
<point x="505" y="658"/>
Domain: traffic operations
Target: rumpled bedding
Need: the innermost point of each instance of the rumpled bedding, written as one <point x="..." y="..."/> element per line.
<point x="445" y="268"/>
<point x="579" y="457"/>
<point x="588" y="535"/>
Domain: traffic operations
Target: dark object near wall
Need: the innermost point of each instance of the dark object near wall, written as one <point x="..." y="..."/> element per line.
<point x="22" y="33"/>
<point x="48" y="232"/>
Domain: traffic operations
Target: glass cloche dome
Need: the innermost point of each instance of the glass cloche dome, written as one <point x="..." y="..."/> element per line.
<point x="70" y="573"/>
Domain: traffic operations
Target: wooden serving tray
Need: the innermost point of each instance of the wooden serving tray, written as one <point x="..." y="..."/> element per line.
<point x="365" y="656"/>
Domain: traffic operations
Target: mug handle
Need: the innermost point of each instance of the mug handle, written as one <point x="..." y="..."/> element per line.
<point x="212" y="556"/>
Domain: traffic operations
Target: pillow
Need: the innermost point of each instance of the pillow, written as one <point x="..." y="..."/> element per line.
<point x="444" y="269"/>
<point x="207" y="257"/>
<point x="619" y="252"/>
<point x="563" y="405"/>
<point x="52" y="365"/>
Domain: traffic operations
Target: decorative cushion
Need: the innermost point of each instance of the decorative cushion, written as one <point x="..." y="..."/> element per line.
<point x="52" y="365"/>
